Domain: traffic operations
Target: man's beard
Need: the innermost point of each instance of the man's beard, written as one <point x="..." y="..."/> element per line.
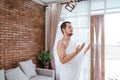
<point x="70" y="34"/>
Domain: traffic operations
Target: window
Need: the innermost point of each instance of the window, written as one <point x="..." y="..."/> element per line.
<point x="112" y="47"/>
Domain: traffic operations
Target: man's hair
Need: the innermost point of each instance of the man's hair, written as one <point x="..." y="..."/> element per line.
<point x="63" y="25"/>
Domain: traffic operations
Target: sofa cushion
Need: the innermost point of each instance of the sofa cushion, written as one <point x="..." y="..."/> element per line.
<point x="9" y="70"/>
<point x="41" y="77"/>
<point x="2" y="76"/>
<point x="15" y="74"/>
<point x="28" y="68"/>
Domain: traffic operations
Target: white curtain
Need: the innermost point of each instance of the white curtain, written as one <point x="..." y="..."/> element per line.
<point x="79" y="18"/>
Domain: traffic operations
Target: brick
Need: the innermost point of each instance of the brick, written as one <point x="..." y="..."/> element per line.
<point x="22" y="31"/>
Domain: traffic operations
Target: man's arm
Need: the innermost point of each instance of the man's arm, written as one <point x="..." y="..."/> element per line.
<point x="62" y="53"/>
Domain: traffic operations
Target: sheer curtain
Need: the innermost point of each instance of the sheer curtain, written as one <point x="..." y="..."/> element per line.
<point x="54" y="11"/>
<point x="98" y="58"/>
<point x="79" y="18"/>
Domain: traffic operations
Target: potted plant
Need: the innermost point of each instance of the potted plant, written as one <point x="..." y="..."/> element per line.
<point x="45" y="57"/>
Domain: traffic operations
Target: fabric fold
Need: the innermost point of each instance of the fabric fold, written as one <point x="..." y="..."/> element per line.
<point x="72" y="69"/>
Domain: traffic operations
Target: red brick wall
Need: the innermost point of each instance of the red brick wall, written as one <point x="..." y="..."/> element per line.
<point x="22" y="31"/>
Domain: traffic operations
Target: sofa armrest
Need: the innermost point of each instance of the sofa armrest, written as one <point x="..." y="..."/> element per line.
<point x="2" y="76"/>
<point x="46" y="72"/>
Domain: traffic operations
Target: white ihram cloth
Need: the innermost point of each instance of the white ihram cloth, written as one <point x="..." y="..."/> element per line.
<point x="72" y="69"/>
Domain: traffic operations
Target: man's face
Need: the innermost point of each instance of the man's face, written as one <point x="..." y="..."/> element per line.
<point x="68" y="30"/>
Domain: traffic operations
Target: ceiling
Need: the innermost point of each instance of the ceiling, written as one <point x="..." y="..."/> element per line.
<point x="53" y="1"/>
<point x="45" y="2"/>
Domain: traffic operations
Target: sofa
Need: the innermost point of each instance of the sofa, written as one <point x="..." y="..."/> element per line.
<point x="26" y="71"/>
<point x="2" y="74"/>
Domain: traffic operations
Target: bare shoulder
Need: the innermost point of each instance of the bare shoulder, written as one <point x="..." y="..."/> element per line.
<point x="60" y="43"/>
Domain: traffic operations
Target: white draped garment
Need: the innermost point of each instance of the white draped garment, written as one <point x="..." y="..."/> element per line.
<point x="72" y="69"/>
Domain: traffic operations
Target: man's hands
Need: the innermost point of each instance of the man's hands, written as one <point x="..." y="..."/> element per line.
<point x="79" y="48"/>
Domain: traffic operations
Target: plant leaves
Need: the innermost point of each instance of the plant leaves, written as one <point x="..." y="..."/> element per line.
<point x="45" y="57"/>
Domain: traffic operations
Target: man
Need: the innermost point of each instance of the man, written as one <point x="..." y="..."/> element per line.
<point x="70" y="55"/>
